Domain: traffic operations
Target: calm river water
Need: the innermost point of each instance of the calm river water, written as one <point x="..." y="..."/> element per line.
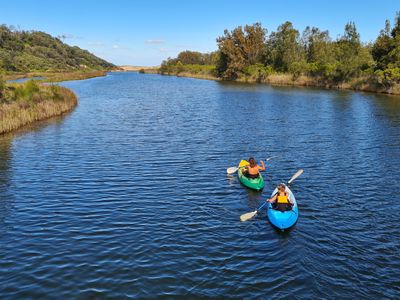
<point x="127" y="196"/>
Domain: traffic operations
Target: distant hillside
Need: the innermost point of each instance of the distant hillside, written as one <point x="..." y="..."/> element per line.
<point x="29" y="51"/>
<point x="137" y="68"/>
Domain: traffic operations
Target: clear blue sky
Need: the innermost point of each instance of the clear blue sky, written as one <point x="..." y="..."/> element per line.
<point x="144" y="32"/>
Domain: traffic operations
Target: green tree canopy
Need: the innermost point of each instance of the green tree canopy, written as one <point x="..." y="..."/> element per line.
<point x="386" y="53"/>
<point x="283" y="48"/>
<point x="196" y="58"/>
<point x="351" y="56"/>
<point x="240" y="48"/>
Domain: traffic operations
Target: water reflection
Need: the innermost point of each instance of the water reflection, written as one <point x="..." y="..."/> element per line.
<point x="390" y="108"/>
<point x="5" y="160"/>
<point x="5" y="178"/>
<point x="7" y="150"/>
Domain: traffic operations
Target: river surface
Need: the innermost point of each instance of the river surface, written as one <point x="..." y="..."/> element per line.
<point x="127" y="196"/>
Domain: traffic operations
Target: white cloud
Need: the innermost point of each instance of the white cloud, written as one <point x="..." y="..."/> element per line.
<point x="96" y="44"/>
<point x="163" y="50"/>
<point x="120" y="47"/>
<point x="155" y="41"/>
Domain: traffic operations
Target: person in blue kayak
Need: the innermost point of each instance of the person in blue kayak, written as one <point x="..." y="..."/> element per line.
<point x="281" y="199"/>
<point x="252" y="170"/>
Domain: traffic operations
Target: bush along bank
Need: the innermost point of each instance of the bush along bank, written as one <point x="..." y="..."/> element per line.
<point x="22" y="104"/>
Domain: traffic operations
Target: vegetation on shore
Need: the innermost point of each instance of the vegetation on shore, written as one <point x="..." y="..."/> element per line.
<point x="21" y="104"/>
<point x="36" y="51"/>
<point x="285" y="56"/>
<point x="191" y="62"/>
<point x="38" y="54"/>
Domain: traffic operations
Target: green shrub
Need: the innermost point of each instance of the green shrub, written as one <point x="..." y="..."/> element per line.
<point x="388" y="77"/>
<point x="28" y="91"/>
<point x="297" y="68"/>
<point x="2" y="88"/>
<point x="31" y="87"/>
<point x="258" y="72"/>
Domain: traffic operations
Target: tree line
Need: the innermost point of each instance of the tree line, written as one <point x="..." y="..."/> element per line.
<point x="250" y="51"/>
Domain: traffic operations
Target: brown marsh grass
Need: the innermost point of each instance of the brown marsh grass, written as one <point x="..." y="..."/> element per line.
<point x="58" y="76"/>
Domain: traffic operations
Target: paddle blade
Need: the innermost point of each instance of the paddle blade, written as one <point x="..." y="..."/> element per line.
<point x="231" y="170"/>
<point x="247" y="216"/>
<point x="298" y="173"/>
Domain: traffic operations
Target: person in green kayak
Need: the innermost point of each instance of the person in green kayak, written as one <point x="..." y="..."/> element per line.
<point x="252" y="170"/>
<point x="281" y="199"/>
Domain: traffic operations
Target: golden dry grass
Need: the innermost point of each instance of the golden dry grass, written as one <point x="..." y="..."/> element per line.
<point x="199" y="76"/>
<point x="65" y="76"/>
<point x="58" y="76"/>
<point x="364" y="84"/>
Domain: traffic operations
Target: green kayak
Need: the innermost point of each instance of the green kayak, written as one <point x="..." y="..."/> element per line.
<point x="252" y="183"/>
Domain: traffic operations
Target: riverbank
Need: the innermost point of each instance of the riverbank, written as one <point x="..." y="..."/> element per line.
<point x="57" y="76"/>
<point x="22" y="104"/>
<point x="363" y="84"/>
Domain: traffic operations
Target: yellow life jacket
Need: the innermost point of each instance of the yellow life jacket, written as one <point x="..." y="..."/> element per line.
<point x="282" y="199"/>
<point x="243" y="163"/>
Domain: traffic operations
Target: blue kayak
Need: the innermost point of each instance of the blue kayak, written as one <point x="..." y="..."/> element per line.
<point x="286" y="219"/>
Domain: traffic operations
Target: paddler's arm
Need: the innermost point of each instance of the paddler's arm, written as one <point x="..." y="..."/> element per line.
<point x="272" y="199"/>
<point x="262" y="168"/>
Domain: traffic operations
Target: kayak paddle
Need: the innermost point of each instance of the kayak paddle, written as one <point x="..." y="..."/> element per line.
<point x="233" y="170"/>
<point x="295" y="176"/>
<point x="269" y="158"/>
<point x="250" y="215"/>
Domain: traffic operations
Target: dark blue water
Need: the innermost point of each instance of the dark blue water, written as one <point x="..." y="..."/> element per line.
<point x="127" y="196"/>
